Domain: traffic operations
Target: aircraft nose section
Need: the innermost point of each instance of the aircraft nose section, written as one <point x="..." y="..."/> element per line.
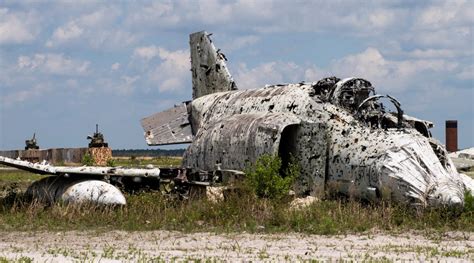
<point x="447" y="194"/>
<point x="452" y="202"/>
<point x="455" y="201"/>
<point x="417" y="175"/>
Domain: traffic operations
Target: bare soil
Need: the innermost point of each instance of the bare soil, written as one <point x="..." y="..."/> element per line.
<point x="121" y="246"/>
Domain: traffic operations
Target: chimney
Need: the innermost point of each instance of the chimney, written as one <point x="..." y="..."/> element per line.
<point x="451" y="135"/>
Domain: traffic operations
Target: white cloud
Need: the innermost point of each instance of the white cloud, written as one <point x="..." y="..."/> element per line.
<point x="26" y="94"/>
<point x="127" y="84"/>
<point x="381" y="18"/>
<point x="111" y="38"/>
<point x="147" y="52"/>
<point x="370" y="64"/>
<point x="274" y="73"/>
<point x="99" y="28"/>
<point x="115" y="66"/>
<point x="453" y="38"/>
<point x="446" y="14"/>
<point x="443" y="24"/>
<point x="240" y="42"/>
<point x="51" y="63"/>
<point x="467" y="73"/>
<point x="157" y="14"/>
<point x="438" y="53"/>
<point x="173" y="73"/>
<point x="72" y="83"/>
<point x="395" y="74"/>
<point x="65" y="33"/>
<point x="17" y="27"/>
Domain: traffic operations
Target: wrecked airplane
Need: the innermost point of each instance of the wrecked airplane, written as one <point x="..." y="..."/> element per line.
<point x="342" y="136"/>
<point x="339" y="132"/>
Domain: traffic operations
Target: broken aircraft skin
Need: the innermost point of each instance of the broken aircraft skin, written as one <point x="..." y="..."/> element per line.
<point x="82" y="184"/>
<point x="340" y="133"/>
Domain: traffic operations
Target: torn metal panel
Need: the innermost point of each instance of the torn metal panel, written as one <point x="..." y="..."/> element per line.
<point x="209" y="70"/>
<point x="171" y="126"/>
<point x="237" y="141"/>
<point x="308" y="146"/>
<point x="292" y="99"/>
<point x="44" y="168"/>
<point x="77" y="184"/>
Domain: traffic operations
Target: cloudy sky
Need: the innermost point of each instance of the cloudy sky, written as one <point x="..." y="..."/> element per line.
<point x="65" y="66"/>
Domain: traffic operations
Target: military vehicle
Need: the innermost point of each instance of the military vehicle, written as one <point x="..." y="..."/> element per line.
<point x="31" y="143"/>
<point x="97" y="139"/>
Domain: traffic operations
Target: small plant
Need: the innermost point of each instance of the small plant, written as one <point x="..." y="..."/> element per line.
<point x="87" y="160"/>
<point x="265" y="180"/>
<point x="111" y="163"/>
<point x="468" y="202"/>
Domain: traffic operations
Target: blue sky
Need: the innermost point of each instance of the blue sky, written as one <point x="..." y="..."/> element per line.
<point x="67" y="65"/>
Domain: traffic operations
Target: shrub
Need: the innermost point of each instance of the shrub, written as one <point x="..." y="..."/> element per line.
<point x="265" y="180"/>
<point x="87" y="160"/>
<point x="111" y="163"/>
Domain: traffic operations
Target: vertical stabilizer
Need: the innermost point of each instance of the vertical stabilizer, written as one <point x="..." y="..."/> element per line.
<point x="208" y="67"/>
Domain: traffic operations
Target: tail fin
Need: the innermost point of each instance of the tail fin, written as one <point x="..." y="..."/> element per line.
<point x="210" y="73"/>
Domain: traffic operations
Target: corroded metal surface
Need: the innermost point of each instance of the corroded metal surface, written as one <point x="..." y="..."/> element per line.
<point x="209" y="70"/>
<point x="339" y="132"/>
<point x="79" y="184"/>
<point x="168" y="127"/>
<point x="75" y="190"/>
<point x="45" y="168"/>
<point x="238" y="140"/>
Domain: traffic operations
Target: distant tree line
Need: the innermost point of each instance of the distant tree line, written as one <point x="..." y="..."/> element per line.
<point x="147" y="152"/>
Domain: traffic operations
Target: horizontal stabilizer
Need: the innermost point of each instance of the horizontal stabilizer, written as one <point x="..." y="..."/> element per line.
<point x="171" y="126"/>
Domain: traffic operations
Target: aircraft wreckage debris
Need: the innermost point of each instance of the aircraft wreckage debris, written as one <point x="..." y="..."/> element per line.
<point x="45" y="168"/>
<point x="78" y="184"/>
<point x="344" y="139"/>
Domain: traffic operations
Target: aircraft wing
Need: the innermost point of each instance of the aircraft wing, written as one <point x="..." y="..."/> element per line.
<point x="43" y="168"/>
<point x="171" y="126"/>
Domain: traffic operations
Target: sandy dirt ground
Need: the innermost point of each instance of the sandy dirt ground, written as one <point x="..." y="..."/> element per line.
<point x="121" y="246"/>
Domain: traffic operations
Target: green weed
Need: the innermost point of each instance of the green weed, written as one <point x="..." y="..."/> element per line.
<point x="265" y="180"/>
<point x="87" y="160"/>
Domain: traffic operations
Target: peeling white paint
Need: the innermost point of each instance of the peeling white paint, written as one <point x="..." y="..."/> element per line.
<point x="45" y="168"/>
<point x="75" y="190"/>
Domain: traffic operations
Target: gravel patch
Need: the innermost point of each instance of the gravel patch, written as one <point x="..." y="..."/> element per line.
<point x="122" y="246"/>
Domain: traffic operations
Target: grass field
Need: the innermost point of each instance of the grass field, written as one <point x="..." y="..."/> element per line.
<point x="240" y="212"/>
<point x="164" y="161"/>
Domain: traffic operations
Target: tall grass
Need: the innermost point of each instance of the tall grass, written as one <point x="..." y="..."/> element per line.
<point x="151" y="211"/>
<point x="241" y="211"/>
